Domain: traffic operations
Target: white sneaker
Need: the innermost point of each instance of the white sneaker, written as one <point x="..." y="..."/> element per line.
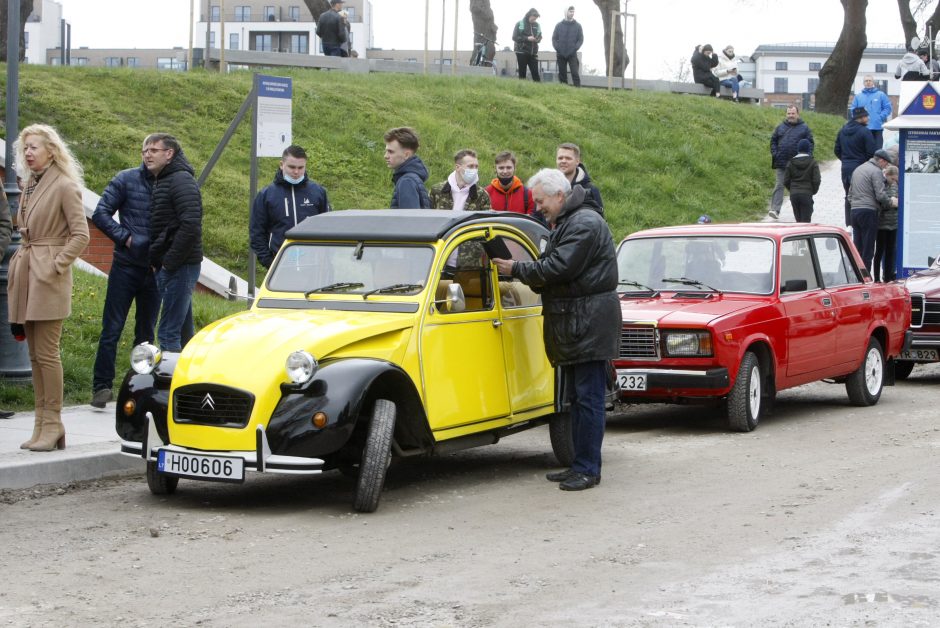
<point x="773" y="214"/>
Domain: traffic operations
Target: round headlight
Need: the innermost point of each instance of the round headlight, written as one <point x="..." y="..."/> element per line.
<point x="144" y="358"/>
<point x="300" y="367"/>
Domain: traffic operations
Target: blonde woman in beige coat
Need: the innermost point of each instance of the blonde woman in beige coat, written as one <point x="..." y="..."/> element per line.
<point x="52" y="224"/>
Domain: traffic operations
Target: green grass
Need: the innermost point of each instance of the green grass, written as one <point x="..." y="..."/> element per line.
<point x="658" y="158"/>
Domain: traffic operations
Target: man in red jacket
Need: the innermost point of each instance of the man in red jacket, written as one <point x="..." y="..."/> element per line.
<point x="506" y="191"/>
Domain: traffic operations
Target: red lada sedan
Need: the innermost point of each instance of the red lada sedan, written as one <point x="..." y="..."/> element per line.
<point x="736" y="313"/>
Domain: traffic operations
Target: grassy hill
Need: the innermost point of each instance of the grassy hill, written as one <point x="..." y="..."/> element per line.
<point x="657" y="158"/>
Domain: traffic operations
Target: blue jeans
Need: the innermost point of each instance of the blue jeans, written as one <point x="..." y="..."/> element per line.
<point x="865" y="233"/>
<point x="176" y="317"/>
<point x="733" y="84"/>
<point x="126" y="284"/>
<point x="588" y="385"/>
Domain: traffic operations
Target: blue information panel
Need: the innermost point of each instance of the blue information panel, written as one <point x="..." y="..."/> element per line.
<point x="274" y="114"/>
<point x="920" y="199"/>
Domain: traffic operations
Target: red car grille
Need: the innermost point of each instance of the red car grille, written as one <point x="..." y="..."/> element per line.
<point x="639" y="342"/>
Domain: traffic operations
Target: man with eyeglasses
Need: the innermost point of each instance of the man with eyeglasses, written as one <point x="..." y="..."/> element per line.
<point x="175" y="237"/>
<point x="130" y="279"/>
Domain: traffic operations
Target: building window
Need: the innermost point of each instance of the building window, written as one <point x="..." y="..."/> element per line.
<point x="264" y="43"/>
<point x="882" y="84"/>
<point x="299" y="43"/>
<point x="812" y="85"/>
<point x="133" y="62"/>
<point x="814" y="66"/>
<point x="351" y="13"/>
<point x="233" y="41"/>
<point x="780" y="86"/>
<point x="781" y="65"/>
<point x="112" y="62"/>
<point x="881" y="67"/>
<point x="214" y="13"/>
<point x="293" y="14"/>
<point x="270" y="15"/>
<point x="242" y="14"/>
<point x="26" y="39"/>
<point x="56" y="61"/>
<point x="79" y="61"/>
<point x="169" y="63"/>
<point x="212" y="39"/>
<point x="411" y="60"/>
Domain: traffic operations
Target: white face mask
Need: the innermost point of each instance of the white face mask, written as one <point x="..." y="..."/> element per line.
<point x="291" y="179"/>
<point x="470" y="176"/>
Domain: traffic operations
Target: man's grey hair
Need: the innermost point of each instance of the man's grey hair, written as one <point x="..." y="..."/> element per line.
<point x="552" y="181"/>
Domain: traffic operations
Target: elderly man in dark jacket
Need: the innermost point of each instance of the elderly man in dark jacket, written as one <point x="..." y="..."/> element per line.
<point x="854" y="146"/>
<point x="567" y="39"/>
<point x="130" y="278"/>
<point x="577" y="278"/>
<point x="175" y="237"/>
<point x="783" y="147"/>
<point x="867" y="195"/>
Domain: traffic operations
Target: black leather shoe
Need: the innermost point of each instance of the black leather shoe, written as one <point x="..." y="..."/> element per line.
<point x="578" y="482"/>
<point x="6" y="414"/>
<point x="559" y="476"/>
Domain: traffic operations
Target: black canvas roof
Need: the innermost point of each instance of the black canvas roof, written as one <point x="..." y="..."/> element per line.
<point x="402" y="225"/>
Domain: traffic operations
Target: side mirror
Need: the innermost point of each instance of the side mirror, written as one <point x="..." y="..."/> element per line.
<point x="455" y="300"/>
<point x="794" y="285"/>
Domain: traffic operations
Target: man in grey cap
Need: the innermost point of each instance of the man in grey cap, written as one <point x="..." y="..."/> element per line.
<point x="867" y="194"/>
<point x="331" y="30"/>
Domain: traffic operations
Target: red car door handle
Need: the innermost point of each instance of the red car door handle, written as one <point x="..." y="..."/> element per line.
<point x="827" y="302"/>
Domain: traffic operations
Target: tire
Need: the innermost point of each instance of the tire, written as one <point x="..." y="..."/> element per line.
<point x="746" y="399"/>
<point x="559" y="430"/>
<point x="864" y="385"/>
<point x="376" y="456"/>
<point x="902" y="370"/>
<point x="160" y="483"/>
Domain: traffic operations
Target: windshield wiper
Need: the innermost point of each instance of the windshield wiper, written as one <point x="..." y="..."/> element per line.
<point x="334" y="287"/>
<point x="689" y="282"/>
<point x="635" y="284"/>
<point x="395" y="287"/>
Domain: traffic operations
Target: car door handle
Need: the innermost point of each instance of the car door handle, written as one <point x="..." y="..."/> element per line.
<point x="497" y="322"/>
<point x="866" y="296"/>
<point x="827" y="302"/>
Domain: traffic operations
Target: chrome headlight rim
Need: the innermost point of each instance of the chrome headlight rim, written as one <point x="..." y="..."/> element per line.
<point x="145" y="357"/>
<point x="300" y="366"/>
<point x="687" y="343"/>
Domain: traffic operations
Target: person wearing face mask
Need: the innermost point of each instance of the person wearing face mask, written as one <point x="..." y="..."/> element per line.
<point x="289" y="199"/>
<point x="461" y="192"/>
<point x="507" y="192"/>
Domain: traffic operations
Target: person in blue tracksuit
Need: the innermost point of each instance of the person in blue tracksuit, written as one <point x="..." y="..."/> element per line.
<point x="878" y="106"/>
<point x="289" y="199"/>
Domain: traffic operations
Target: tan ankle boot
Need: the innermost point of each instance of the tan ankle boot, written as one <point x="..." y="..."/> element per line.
<point x="51" y="436"/>
<point x="37" y="427"/>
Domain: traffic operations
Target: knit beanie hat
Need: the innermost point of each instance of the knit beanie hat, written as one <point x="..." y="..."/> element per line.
<point x="803" y="146"/>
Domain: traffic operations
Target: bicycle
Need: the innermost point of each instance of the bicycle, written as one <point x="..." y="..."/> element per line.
<point x="481" y="52"/>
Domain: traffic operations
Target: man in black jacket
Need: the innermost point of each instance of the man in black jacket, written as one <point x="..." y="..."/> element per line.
<point x="331" y="30"/>
<point x="568" y="160"/>
<point x="567" y="39"/>
<point x="577" y="278"/>
<point x="130" y="279"/>
<point x="854" y="146"/>
<point x="175" y="237"/>
<point x="783" y="144"/>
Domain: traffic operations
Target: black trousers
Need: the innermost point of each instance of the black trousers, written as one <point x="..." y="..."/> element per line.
<point x="802" y="207"/>
<point x="713" y="83"/>
<point x="564" y="63"/>
<point x="531" y="62"/>
<point x="885" y="250"/>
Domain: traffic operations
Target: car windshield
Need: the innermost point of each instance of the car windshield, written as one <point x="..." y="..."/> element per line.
<point x="315" y="269"/>
<point x="703" y="263"/>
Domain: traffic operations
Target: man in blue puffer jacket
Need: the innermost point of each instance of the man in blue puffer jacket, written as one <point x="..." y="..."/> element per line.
<point x="288" y="200"/>
<point x="130" y="278"/>
<point x="878" y="106"/>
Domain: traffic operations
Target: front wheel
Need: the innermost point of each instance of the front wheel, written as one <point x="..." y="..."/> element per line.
<point x="160" y="483"/>
<point x="376" y="456"/>
<point x="746" y="397"/>
<point x="864" y="385"/>
<point x="559" y="431"/>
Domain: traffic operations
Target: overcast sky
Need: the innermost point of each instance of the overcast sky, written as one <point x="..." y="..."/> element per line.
<point x="667" y="30"/>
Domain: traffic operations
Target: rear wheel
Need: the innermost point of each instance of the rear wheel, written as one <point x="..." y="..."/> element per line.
<point x="376" y="456"/>
<point x="746" y="397"/>
<point x="160" y="483"/>
<point x="902" y="370"/>
<point x="865" y="384"/>
<point x="559" y="430"/>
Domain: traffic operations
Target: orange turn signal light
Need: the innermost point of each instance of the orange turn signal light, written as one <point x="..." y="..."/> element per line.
<point x="319" y="420"/>
<point x="130" y="406"/>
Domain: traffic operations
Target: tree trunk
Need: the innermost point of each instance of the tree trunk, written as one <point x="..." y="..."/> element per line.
<point x="838" y="74"/>
<point x="908" y="23"/>
<point x="931" y="27"/>
<point x="484" y="26"/>
<point x="316" y="7"/>
<point x="26" y="7"/>
<point x="621" y="60"/>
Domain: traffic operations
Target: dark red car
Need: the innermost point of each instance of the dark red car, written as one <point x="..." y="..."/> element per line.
<point x="736" y="313"/>
<point x="924" y="287"/>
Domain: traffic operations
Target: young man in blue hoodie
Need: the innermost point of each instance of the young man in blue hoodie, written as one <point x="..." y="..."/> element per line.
<point x="878" y="106"/>
<point x="409" y="172"/>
